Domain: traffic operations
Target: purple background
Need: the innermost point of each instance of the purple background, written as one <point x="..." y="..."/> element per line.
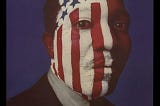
<point x="27" y="59"/>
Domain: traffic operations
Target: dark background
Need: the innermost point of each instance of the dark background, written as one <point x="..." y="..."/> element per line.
<point x="27" y="59"/>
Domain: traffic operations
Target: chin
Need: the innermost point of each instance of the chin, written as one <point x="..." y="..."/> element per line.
<point x="117" y="69"/>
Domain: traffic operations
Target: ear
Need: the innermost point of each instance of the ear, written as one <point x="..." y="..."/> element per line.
<point x="48" y="42"/>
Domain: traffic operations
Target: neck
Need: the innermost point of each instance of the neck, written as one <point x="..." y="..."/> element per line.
<point x="66" y="95"/>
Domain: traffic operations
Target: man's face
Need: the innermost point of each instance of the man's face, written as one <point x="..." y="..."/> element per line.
<point x="91" y="45"/>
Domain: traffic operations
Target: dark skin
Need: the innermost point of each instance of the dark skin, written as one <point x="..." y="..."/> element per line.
<point x="118" y="21"/>
<point x="121" y="39"/>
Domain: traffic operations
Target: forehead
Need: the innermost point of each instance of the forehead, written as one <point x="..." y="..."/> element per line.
<point x="68" y="6"/>
<point x="106" y="5"/>
<point x="108" y="8"/>
<point x="71" y="5"/>
<point x="65" y="2"/>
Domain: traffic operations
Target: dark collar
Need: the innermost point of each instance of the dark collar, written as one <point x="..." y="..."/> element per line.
<point x="41" y="94"/>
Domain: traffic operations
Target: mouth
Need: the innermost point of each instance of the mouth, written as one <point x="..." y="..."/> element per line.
<point x="103" y="73"/>
<point x="101" y="66"/>
<point x="98" y="61"/>
<point x="107" y="77"/>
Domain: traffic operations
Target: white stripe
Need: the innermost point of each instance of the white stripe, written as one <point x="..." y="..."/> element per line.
<point x="86" y="53"/>
<point x="55" y="52"/>
<point x="105" y="83"/>
<point x="66" y="51"/>
<point x="104" y="88"/>
<point x="108" y="41"/>
<point x="51" y="66"/>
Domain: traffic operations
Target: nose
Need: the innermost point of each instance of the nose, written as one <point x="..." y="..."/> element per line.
<point x="103" y="41"/>
<point x="107" y="37"/>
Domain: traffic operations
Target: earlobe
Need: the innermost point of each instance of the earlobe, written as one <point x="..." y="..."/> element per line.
<point x="48" y="42"/>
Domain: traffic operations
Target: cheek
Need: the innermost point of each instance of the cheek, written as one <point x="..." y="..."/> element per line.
<point x="120" y="52"/>
<point x="121" y="44"/>
<point x="85" y="41"/>
<point x="124" y="43"/>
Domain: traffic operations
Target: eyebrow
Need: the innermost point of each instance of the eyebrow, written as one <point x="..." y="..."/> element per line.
<point x="120" y="13"/>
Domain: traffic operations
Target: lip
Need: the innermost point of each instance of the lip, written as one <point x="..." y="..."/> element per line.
<point x="101" y="66"/>
<point x="102" y="74"/>
<point x="103" y="63"/>
<point x="107" y="77"/>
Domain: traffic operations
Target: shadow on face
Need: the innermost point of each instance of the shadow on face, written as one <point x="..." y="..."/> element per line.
<point x="119" y="26"/>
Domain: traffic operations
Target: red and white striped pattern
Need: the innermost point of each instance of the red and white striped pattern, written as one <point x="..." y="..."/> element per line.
<point x="77" y="51"/>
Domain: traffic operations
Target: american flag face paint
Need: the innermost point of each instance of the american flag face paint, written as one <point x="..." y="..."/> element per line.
<point x="82" y="44"/>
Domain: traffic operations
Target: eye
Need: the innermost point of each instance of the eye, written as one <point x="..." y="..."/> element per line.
<point x="84" y="24"/>
<point x="121" y="26"/>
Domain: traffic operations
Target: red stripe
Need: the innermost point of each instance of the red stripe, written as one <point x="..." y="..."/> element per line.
<point x="75" y="52"/>
<point x="59" y="50"/>
<point x="98" y="45"/>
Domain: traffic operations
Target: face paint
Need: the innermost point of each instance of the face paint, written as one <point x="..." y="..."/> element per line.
<point x="82" y="44"/>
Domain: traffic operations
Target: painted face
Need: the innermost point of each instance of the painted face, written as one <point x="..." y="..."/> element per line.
<point x="91" y="45"/>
